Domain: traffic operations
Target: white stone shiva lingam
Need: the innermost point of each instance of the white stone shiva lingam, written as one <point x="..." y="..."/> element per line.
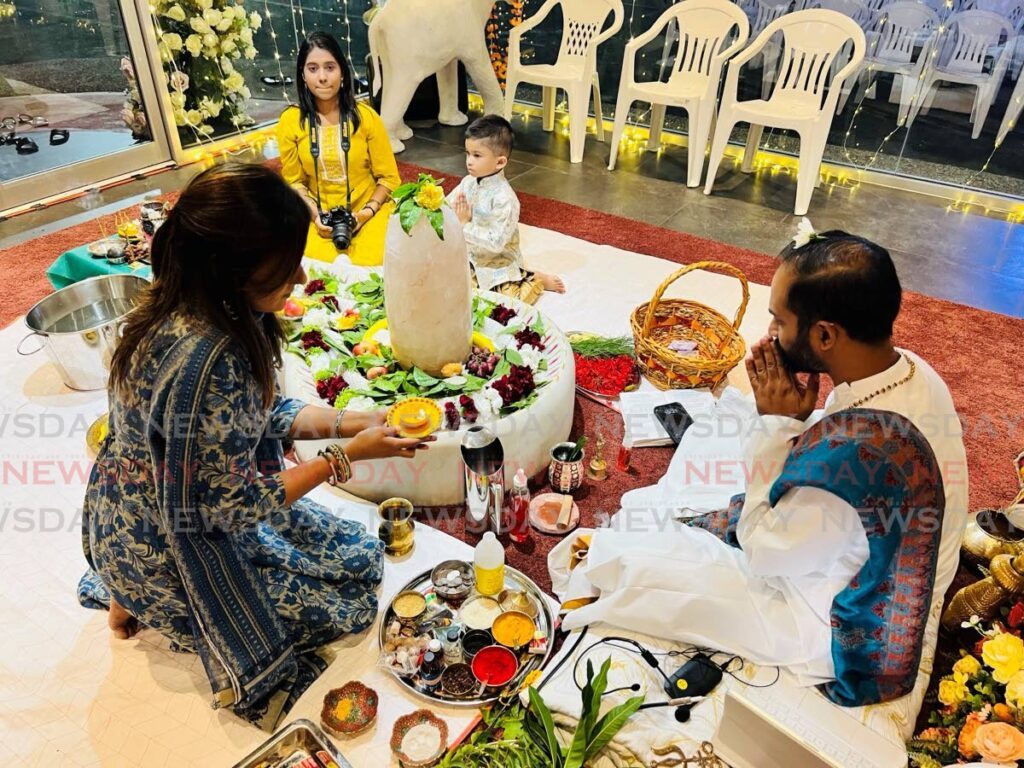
<point x="428" y="299"/>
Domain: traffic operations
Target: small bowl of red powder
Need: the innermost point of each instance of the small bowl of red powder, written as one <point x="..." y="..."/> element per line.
<point x="495" y="666"/>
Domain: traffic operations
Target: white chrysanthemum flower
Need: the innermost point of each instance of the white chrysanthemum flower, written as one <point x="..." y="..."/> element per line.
<point x="804" y="233"/>
<point x="319" y="362"/>
<point x="361" y="403"/>
<point x="531" y="356"/>
<point x="455" y="381"/>
<point x="488" y="402"/>
<point x="317" y="317"/>
<point x="356" y="380"/>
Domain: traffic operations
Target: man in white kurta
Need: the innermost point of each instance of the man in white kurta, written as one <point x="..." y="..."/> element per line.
<point x="770" y="600"/>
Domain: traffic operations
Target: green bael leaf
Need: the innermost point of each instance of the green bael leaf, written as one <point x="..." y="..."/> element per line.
<point x="408" y="214"/>
<point x="513" y="356"/>
<point x="437" y="222"/>
<point x="423" y="379"/>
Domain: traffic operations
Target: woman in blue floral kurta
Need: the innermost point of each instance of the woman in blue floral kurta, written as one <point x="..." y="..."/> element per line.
<point x="192" y="526"/>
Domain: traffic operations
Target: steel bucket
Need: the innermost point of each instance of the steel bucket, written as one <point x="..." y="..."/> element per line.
<point x="80" y="326"/>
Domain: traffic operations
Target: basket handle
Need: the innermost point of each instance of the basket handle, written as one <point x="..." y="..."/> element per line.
<point x="721" y="268"/>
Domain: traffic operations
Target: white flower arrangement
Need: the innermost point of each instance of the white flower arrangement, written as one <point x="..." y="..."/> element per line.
<point x="531" y="356"/>
<point x="804" y="233"/>
<point x="197" y="41"/>
<point x="361" y="403"/>
<point x="488" y="402"/>
<point x="317" y="317"/>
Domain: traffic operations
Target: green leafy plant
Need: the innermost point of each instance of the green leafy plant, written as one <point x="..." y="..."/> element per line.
<point x="592" y="733"/>
<point x="416" y="199"/>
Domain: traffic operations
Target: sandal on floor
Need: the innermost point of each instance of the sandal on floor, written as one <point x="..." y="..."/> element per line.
<point x="38" y="122"/>
<point x="25" y="146"/>
<point x="59" y="136"/>
<point x="8" y="122"/>
<point x="7" y="138"/>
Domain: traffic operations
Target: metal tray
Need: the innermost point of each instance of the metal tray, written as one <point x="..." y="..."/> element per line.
<point x="299" y="735"/>
<point x="513" y="580"/>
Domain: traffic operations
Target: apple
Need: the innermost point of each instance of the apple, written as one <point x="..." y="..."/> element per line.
<point x="292" y="308"/>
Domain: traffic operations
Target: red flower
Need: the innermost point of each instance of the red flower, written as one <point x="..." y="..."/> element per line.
<point x="515" y="385"/>
<point x="1016" y="616"/>
<point x="529" y="336"/>
<point x="469" y="411"/>
<point x="314" y="339"/>
<point x="315" y="286"/>
<point x="329" y="388"/>
<point x="330" y="300"/>
<point x="502" y="314"/>
<point x="451" y="415"/>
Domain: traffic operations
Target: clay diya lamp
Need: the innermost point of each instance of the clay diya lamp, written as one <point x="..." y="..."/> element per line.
<point x="349" y="710"/>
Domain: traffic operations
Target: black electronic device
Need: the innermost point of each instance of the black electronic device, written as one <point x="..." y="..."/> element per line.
<point x="697" y="677"/>
<point x="675" y="419"/>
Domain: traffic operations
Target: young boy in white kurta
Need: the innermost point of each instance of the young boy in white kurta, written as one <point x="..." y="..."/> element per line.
<point x="488" y="208"/>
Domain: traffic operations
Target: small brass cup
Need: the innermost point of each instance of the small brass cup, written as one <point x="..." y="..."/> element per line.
<point x="396" y="527"/>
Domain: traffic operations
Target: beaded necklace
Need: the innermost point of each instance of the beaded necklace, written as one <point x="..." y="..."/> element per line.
<point x="887" y="387"/>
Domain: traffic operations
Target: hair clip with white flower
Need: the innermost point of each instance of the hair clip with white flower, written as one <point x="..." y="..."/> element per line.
<point x="804" y="233"/>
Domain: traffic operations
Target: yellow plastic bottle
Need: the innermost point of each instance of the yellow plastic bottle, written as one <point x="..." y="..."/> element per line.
<point x="489" y="565"/>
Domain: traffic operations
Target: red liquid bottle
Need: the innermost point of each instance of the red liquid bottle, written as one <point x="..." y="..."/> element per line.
<point x="519" y="509"/>
<point x="624" y="457"/>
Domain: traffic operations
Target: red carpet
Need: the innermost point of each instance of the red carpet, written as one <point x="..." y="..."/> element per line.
<point x="976" y="353"/>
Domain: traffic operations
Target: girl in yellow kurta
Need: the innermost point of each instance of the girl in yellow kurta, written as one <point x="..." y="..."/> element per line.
<point x="325" y="88"/>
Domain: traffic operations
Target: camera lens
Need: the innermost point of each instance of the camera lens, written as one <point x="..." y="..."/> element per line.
<point x="341" y="235"/>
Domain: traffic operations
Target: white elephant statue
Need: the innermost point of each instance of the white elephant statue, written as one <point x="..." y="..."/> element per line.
<point x="410" y="40"/>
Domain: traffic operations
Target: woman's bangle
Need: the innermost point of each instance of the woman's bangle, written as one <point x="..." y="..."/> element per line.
<point x="344" y="466"/>
<point x="337" y="424"/>
<point x="334" y="466"/>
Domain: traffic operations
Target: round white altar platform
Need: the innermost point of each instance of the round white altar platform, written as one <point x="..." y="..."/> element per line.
<point x="436" y="476"/>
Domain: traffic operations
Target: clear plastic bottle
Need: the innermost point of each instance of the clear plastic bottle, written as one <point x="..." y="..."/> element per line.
<point x="489" y="565"/>
<point x="519" y="508"/>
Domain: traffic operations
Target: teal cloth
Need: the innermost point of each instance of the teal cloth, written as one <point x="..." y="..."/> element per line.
<point x="78" y="264"/>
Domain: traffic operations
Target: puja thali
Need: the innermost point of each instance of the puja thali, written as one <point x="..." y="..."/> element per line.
<point x="477" y="665"/>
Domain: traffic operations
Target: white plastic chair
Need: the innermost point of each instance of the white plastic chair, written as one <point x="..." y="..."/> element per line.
<point x="1013" y="111"/>
<point x="762" y="13"/>
<point x="900" y="29"/>
<point x="575" y="70"/>
<point x="961" y="59"/>
<point x="804" y="99"/>
<point x="706" y="28"/>
<point x="855" y="9"/>
<point x="1013" y="11"/>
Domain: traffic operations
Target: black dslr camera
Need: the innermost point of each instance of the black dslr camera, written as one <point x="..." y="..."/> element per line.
<point x="343" y="225"/>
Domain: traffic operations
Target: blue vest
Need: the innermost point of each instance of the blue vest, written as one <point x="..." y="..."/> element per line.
<point x="880" y="464"/>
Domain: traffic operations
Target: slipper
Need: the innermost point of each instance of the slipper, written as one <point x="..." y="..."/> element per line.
<point x="9" y="122"/>
<point x="7" y="138"/>
<point x="38" y="122"/>
<point x="59" y="136"/>
<point x="25" y="146"/>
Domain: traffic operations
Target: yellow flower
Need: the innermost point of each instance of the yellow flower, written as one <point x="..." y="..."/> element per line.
<point x="430" y="196"/>
<point x="234" y="82"/>
<point x="1015" y="690"/>
<point x="255" y="20"/>
<point x="175" y="12"/>
<point x="1004" y="653"/>
<point x="952" y="692"/>
<point x="227" y="44"/>
<point x="212" y="17"/>
<point x="198" y="25"/>
<point x="968" y="666"/>
<point x="194" y="44"/>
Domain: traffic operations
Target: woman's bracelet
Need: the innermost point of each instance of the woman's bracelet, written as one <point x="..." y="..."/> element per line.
<point x="337" y="424"/>
<point x="341" y="467"/>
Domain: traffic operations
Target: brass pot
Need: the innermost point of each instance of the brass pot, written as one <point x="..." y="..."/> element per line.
<point x="990" y="533"/>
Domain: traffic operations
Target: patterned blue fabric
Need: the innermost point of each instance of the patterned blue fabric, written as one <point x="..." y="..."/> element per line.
<point x="881" y="465"/>
<point x="185" y="526"/>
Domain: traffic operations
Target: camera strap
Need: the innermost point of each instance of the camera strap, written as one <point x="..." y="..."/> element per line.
<point x="314" y="150"/>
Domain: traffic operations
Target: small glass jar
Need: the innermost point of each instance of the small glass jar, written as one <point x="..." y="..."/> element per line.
<point x="451" y="643"/>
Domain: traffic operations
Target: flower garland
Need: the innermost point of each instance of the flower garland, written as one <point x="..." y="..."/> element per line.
<point x="340" y="331"/>
<point x="502" y="20"/>
<point x="198" y="40"/>
<point x="982" y="713"/>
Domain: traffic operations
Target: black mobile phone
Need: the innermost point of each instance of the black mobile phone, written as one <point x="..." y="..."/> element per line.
<point x="675" y="419"/>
